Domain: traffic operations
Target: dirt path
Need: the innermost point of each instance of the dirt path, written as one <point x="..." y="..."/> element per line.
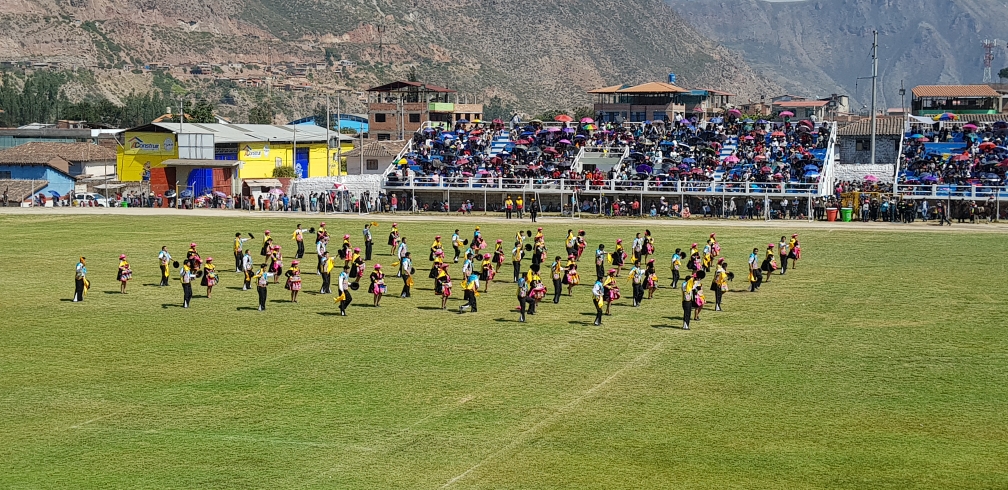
<point x="918" y="226"/>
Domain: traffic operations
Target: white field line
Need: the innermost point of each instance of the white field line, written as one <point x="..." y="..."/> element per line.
<point x="523" y="437"/>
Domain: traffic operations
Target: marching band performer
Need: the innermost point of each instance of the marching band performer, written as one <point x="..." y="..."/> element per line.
<point x="598" y="298"/>
<point x="356" y="265"/>
<point x="298" y="236"/>
<point x="393" y="238"/>
<point x="377" y="287"/>
<point x="346" y="252"/>
<point x="487" y="272"/>
<point x="636" y="278"/>
<point x="186" y="276"/>
<point x="406" y="272"/>
<point x="328" y="264"/>
<point x="262" y="281"/>
<point x="321" y="248"/>
<point x="573" y="277"/>
<point x="612" y="289"/>
<point x="571" y="242"/>
<point x="637" y="248"/>
<point x="516" y="257"/>
<point x="695" y="261"/>
<point x="436" y="267"/>
<point x="581" y="244"/>
<point x="720" y="284"/>
<point x="523" y="299"/>
<point x="537" y="290"/>
<point x="368" y="242"/>
<point x="689" y="290"/>
<point x="769" y="263"/>
<point x="539" y="235"/>
<point x="276" y="263"/>
<point x="557" y="273"/>
<point x="193" y="257"/>
<point x="443" y="284"/>
<point x="794" y="250"/>
<point x="477" y="243"/>
<point x="468" y="268"/>
<point x="498" y="255"/>
<point x="164" y="258"/>
<point x="402" y="250"/>
<point x="267" y="244"/>
<point x="714" y="245"/>
<point x="343" y="285"/>
<point x="783" y="250"/>
<point x="294" y="280"/>
<point x="617" y="257"/>
<point x="600" y="258"/>
<point x="321" y="233"/>
<point x="538" y="252"/>
<point x="676" y="264"/>
<point x="456" y="245"/>
<point x="124" y="274"/>
<point x="649" y="247"/>
<point x="239" y="244"/>
<point x="247" y="269"/>
<point x="435" y="247"/>
<point x="470" y="290"/>
<point x="755" y="274"/>
<point x="650" y="278"/>
<point x="699" y="300"/>
<point x="81" y="283"/>
<point x="209" y="276"/>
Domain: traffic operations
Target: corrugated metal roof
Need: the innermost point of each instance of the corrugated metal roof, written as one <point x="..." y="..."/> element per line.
<point x="795" y="104"/>
<point x="885" y="126"/>
<point x="401" y="84"/>
<point x="244" y="133"/>
<point x="40" y="152"/>
<point x="954" y="91"/>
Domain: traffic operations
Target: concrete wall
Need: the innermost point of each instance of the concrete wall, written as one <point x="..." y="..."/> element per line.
<point x="886" y="149"/>
<point x="857" y="172"/>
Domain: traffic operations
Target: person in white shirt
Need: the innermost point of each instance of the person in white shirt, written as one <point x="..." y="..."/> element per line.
<point x="164" y="258"/>
<point x="320" y="249"/>
<point x="343" y="283"/>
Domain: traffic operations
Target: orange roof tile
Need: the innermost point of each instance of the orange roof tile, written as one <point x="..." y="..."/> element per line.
<point x="653" y="88"/>
<point x="954" y="91"/>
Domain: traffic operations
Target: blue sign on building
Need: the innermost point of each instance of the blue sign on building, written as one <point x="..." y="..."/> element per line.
<point x="671" y="78"/>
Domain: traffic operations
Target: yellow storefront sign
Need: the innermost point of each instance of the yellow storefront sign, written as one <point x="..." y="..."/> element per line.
<point x="142" y="152"/>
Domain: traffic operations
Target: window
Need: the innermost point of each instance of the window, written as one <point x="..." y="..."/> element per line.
<point x="384" y="137"/>
<point x="414" y="118"/>
<point x="5" y="174"/>
<point x="379" y="117"/>
<point x="372" y="164"/>
<point x="862" y="144"/>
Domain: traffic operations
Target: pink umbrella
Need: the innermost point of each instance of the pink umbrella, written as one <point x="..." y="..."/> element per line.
<point x="731" y="159"/>
<point x="969" y="127"/>
<point x="587" y="120"/>
<point x="870" y="178"/>
<point x="564" y="142"/>
<point x="749" y="138"/>
<point x="734" y="112"/>
<point x="787" y="114"/>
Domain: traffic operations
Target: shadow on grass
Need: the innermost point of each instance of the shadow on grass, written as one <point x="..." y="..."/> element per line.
<point x="170" y="305"/>
<point x="429" y="308"/>
<point x="233" y="288"/>
<point x="247" y="308"/>
<point x="151" y="285"/>
<point x="667" y="327"/>
<point x="67" y="300"/>
<point x="111" y="292"/>
<point x="328" y="313"/>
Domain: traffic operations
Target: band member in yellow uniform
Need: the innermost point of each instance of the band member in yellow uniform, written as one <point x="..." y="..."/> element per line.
<point x="573" y="277"/>
<point x="406" y="272"/>
<point x="435" y="247"/>
<point x="393" y="238"/>
<point x="618" y="257"/>
<point x="328" y="264"/>
<point x="470" y="288"/>
<point x="124" y="274"/>
<point x="637" y="282"/>
<point x="720" y="284"/>
<point x="164" y="258"/>
<point x="689" y="290"/>
<point x="443" y="284"/>
<point x="209" y="276"/>
<point x="267" y="244"/>
<point x="498" y="256"/>
<point x="523" y="297"/>
<point x="715" y="246"/>
<point x="581" y="244"/>
<point x="436" y="267"/>
<point x="571" y="243"/>
<point x="755" y="274"/>
<point x="557" y="273"/>
<point x="81" y="283"/>
<point x="239" y="245"/>
<point x="699" y="300"/>
<point x="537" y="290"/>
<point x="294" y="280"/>
<point x="676" y="265"/>
<point x="377" y="287"/>
<point x="794" y="250"/>
<point x="769" y="263"/>
<point x="487" y="272"/>
<point x="612" y="289"/>
<point x="248" y="270"/>
<point x="708" y="257"/>
<point x="516" y="257"/>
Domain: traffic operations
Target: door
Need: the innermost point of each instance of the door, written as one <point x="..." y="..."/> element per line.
<point x="301" y="163"/>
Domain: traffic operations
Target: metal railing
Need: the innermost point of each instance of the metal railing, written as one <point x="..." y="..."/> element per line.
<point x="953" y="192"/>
<point x="407" y="149"/>
<point x="547" y="186"/>
<point x="826" y="176"/>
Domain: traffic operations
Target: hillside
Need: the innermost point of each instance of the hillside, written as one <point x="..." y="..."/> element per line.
<point x="818" y="47"/>
<point x="534" y="55"/>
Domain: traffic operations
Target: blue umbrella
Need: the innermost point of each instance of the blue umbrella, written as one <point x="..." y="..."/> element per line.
<point x="187" y="193"/>
<point x="689" y="160"/>
<point x="462" y="121"/>
<point x="54" y="194"/>
<point x="811" y="168"/>
<point x="717" y="120"/>
<point x="811" y="174"/>
<point x="644" y="169"/>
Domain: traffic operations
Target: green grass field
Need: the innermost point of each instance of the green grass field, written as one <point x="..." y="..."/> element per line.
<point x="880" y="362"/>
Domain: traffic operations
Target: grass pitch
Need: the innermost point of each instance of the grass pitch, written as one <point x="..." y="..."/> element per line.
<point x="880" y="362"/>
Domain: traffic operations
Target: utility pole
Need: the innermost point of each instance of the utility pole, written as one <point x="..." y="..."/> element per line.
<point x="327" y="142"/>
<point x="874" y="77"/>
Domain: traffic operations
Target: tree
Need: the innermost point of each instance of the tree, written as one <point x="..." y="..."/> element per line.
<point x="583" y="112"/>
<point x="202" y="112"/>
<point x="320" y="116"/>
<point x="412" y="76"/>
<point x="1003" y="73"/>
<point x="496" y="109"/>
<point x="261" y="114"/>
<point x="284" y="171"/>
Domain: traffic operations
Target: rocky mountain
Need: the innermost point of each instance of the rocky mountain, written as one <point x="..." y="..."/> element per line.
<point x="819" y="47"/>
<point x="534" y="55"/>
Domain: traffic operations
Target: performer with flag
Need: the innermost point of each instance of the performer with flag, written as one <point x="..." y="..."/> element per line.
<point x="239" y="245"/>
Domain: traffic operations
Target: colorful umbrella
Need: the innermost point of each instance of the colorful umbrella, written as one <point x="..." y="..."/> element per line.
<point x="734" y="112"/>
<point x="787" y="114"/>
<point x="563" y="118"/>
<point x="587" y="120"/>
<point x="564" y="142"/>
<point x="870" y="178"/>
<point x="731" y="159"/>
<point x="969" y="127"/>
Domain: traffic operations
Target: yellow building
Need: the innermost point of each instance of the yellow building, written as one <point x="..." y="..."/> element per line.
<point x="218" y="155"/>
